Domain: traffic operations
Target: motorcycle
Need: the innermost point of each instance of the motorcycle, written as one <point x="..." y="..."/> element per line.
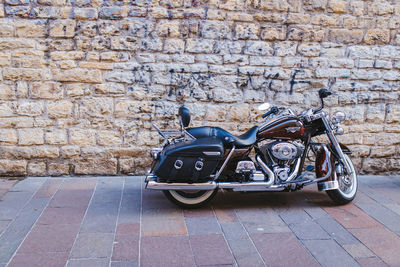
<point x="193" y="163"/>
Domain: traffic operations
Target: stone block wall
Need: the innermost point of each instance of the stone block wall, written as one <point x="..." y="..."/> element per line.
<point x="81" y="81"/>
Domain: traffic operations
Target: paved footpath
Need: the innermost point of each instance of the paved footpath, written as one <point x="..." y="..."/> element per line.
<point x="113" y="221"/>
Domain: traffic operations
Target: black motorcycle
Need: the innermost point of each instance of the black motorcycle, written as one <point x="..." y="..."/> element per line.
<point x="194" y="162"/>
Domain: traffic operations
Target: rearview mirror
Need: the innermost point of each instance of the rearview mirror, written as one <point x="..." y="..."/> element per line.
<point x="263" y="107"/>
<point x="324" y="93"/>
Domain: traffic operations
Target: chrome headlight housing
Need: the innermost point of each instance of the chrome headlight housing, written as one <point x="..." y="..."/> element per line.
<point x="339" y="130"/>
<point x="338" y="117"/>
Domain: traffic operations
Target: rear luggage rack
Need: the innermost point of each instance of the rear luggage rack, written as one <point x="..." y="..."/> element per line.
<point x="170" y="134"/>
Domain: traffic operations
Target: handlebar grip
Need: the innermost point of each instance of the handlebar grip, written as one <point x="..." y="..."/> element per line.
<point x="272" y="110"/>
<point x="266" y="114"/>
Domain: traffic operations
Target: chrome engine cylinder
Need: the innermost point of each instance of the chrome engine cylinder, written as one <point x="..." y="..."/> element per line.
<point x="284" y="150"/>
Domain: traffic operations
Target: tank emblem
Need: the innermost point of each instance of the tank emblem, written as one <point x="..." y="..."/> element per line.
<point x="292" y="129"/>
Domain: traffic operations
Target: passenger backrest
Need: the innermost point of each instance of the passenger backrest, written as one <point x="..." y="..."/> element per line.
<point x="184" y="115"/>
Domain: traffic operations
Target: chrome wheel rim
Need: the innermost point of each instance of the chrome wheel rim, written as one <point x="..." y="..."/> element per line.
<point x="348" y="183"/>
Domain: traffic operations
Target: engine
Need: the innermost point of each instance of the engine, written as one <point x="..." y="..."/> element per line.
<point x="283" y="151"/>
<point x="281" y="156"/>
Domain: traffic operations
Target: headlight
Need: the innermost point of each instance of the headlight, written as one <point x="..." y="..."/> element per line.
<point x="339" y="131"/>
<point x="338" y="117"/>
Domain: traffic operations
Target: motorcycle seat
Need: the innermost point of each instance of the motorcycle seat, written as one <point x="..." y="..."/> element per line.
<point x="246" y="139"/>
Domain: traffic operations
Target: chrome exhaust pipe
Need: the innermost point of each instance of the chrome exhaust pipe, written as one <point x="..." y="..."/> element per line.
<point x="267" y="170"/>
<point x="254" y="186"/>
<point x="151" y="183"/>
<point x="295" y="171"/>
<point x="249" y="186"/>
<point x="211" y="185"/>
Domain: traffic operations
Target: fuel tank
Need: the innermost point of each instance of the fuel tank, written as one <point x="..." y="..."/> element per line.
<point x="287" y="128"/>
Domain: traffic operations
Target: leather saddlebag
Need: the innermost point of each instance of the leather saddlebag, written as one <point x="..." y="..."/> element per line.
<point x="190" y="161"/>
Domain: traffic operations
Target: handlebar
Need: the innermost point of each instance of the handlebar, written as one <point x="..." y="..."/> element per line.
<point x="323" y="93"/>
<point x="272" y="110"/>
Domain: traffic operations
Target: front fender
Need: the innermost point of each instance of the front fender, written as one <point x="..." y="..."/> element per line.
<point x="322" y="158"/>
<point x="323" y="161"/>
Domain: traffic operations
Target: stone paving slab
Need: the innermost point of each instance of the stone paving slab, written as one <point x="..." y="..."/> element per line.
<point x="114" y="221"/>
<point x="166" y="251"/>
<point x="329" y="253"/>
<point x="17" y="230"/>
<point x="5" y="186"/>
<point x="282" y="249"/>
<point x="245" y="252"/>
<point x="211" y="250"/>
<point x="93" y="245"/>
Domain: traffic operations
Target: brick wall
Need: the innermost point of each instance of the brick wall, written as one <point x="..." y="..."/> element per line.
<point x="81" y="81"/>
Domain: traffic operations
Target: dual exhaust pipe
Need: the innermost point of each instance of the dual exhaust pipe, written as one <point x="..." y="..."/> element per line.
<point x="211" y="185"/>
<point x="151" y="183"/>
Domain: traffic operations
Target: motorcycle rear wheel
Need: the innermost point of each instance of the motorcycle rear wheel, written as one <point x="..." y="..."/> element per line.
<point x="190" y="198"/>
<point x="347" y="186"/>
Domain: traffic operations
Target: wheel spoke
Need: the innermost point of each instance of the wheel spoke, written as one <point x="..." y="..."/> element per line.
<point x="342" y="186"/>
<point x="347" y="188"/>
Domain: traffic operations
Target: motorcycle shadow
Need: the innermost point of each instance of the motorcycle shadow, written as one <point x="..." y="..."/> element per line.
<point x="309" y="197"/>
<point x="227" y="200"/>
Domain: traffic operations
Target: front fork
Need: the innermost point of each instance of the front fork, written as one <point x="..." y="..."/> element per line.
<point x="335" y="145"/>
<point x="325" y="160"/>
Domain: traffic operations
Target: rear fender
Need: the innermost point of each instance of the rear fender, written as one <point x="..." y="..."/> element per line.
<point x="154" y="165"/>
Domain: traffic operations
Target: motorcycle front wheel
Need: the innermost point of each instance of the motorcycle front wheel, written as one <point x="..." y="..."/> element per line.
<point x="190" y="198"/>
<point x="347" y="186"/>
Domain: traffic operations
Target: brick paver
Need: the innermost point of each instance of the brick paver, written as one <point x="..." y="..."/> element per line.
<point x="113" y="221"/>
